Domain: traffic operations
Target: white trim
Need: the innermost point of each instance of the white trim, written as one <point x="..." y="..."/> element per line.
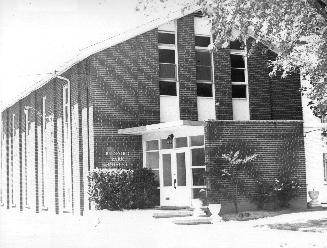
<point x="159" y="127"/>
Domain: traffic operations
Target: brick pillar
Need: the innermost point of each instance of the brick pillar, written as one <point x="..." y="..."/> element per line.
<point x="187" y="68"/>
<point x="259" y="83"/>
<point x="223" y="85"/>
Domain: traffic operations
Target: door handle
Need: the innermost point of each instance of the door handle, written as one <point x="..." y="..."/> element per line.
<point x="175" y="183"/>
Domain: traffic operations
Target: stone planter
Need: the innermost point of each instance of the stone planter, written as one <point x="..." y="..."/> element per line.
<point x="197" y="204"/>
<point x="214" y="210"/>
<point x="314" y="199"/>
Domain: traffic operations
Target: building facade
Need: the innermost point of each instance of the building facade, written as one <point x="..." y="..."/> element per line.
<point x="159" y="99"/>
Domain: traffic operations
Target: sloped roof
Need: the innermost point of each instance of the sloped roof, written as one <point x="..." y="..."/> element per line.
<point x="104" y="44"/>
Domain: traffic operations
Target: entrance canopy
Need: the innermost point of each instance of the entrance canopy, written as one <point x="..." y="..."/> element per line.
<point x="161" y="127"/>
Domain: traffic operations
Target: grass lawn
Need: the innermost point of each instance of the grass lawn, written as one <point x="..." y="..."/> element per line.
<point x="137" y="228"/>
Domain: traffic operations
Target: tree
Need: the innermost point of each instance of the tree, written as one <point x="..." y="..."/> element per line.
<point x="231" y="169"/>
<point x="295" y="29"/>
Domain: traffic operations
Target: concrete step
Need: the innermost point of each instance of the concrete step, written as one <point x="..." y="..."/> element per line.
<point x="172" y="208"/>
<point x="193" y="221"/>
<point x="172" y="214"/>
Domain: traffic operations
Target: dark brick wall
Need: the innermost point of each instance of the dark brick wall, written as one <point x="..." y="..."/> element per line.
<point x="125" y="92"/>
<point x="276" y="143"/>
<point x="271" y="98"/>
<point x="187" y="68"/>
<point x="259" y="81"/>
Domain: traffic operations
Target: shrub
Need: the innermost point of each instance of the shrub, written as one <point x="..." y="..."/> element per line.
<point x="280" y="191"/>
<point x="123" y="189"/>
<point x="286" y="186"/>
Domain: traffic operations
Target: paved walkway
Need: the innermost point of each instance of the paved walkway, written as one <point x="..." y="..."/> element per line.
<point x="138" y="229"/>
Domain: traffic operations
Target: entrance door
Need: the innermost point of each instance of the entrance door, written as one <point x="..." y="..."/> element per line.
<point x="174" y="179"/>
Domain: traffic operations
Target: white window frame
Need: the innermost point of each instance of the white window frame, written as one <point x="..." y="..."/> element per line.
<point x="188" y="151"/>
<point x="26" y="202"/>
<point x="44" y="151"/>
<point x="174" y="48"/>
<point x="325" y="167"/>
<point x="243" y="53"/>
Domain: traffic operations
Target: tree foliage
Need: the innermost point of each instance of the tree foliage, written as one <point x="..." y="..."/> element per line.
<point x="231" y="169"/>
<point x="295" y="29"/>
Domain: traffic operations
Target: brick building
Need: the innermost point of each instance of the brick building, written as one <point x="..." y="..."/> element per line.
<point x="119" y="105"/>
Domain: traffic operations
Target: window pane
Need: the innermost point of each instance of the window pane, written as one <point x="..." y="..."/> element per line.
<point x="237" y="45"/>
<point x="198" y="177"/>
<point x="237" y="61"/>
<point x="164" y="144"/>
<point x="203" y="58"/>
<point x="152" y="160"/>
<point x="167" y="88"/>
<point x="167" y="56"/>
<point x="152" y="145"/>
<point x="198" y="157"/>
<point x="203" y="73"/>
<point x="197" y="140"/>
<point x="202" y="41"/>
<point x="181" y="142"/>
<point x="238" y="75"/>
<point x="167" y="71"/>
<point x="204" y="89"/>
<point x="166" y="38"/>
<point x="166" y="164"/>
<point x="238" y="91"/>
<point x="181" y="169"/>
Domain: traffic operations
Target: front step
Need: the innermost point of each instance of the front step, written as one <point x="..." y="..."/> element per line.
<point x="173" y="214"/>
<point x="173" y="208"/>
<point x="193" y="221"/>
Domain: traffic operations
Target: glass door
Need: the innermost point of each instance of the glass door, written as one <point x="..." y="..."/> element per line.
<point x="174" y="167"/>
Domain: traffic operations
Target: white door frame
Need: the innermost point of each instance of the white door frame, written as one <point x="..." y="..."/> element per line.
<point x="175" y="195"/>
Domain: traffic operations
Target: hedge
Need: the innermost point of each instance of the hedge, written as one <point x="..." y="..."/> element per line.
<point x="117" y="189"/>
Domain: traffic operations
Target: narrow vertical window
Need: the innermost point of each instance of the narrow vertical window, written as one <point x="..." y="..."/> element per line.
<point x="168" y="76"/>
<point x="44" y="151"/>
<point x="25" y="155"/>
<point x="167" y="59"/>
<point x="325" y="166"/>
<point x="12" y="160"/>
<point x="240" y="95"/>
<point x="67" y="171"/>
<point x="204" y="69"/>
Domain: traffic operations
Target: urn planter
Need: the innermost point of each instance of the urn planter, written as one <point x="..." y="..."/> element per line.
<point x="215" y="210"/>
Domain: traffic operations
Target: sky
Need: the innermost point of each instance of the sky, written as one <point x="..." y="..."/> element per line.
<point x="39" y="36"/>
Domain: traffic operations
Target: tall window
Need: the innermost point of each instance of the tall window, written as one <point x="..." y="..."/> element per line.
<point x="325" y="166"/>
<point x="239" y="80"/>
<point x="167" y="59"/>
<point x="44" y="151"/>
<point x="238" y="70"/>
<point x="204" y="69"/>
<point x="25" y="155"/>
<point x="12" y="160"/>
<point x="203" y="66"/>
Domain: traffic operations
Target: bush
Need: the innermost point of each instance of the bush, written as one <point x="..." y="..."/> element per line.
<point x="280" y="191"/>
<point x="115" y="189"/>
